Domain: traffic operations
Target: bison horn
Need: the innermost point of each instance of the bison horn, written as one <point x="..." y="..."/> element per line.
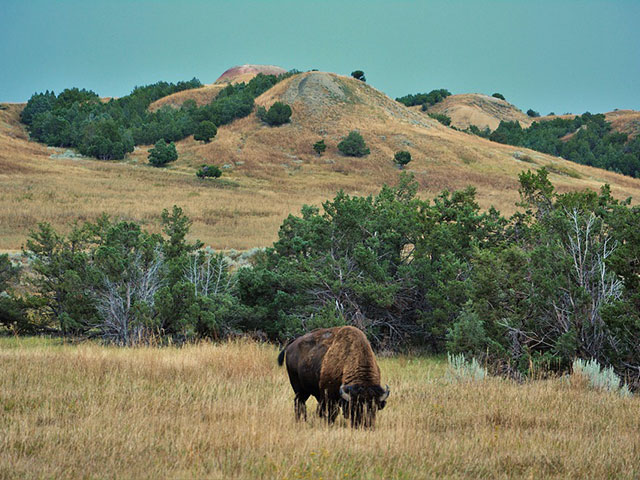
<point x="344" y="394"/>
<point x="385" y="395"/>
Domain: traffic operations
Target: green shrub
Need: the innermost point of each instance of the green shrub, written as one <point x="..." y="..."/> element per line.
<point x="532" y="113"/>
<point x="13" y="309"/>
<point x="278" y="114"/>
<point x="442" y="118"/>
<point x="358" y="75"/>
<point x="319" y="147"/>
<point x="402" y="158"/>
<point x="499" y="95"/>
<point x="467" y="335"/>
<point x="424" y="99"/>
<point x="205" y="131"/>
<point x="162" y="153"/>
<point x="353" y="145"/>
<point x="209" y="171"/>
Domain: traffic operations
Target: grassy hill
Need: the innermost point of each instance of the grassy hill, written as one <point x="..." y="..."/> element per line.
<point x="206" y="93"/>
<point x="201" y="96"/>
<point x="480" y="110"/>
<point x="624" y="121"/>
<point x="269" y="172"/>
<point x="484" y="111"/>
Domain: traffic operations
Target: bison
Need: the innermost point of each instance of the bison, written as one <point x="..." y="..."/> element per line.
<point x="337" y="366"/>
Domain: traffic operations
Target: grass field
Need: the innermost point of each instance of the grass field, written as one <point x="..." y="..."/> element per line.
<point x="226" y="411"/>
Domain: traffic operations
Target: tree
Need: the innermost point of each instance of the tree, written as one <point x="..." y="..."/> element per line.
<point x="353" y="145"/>
<point x="393" y="265"/>
<point x="207" y="171"/>
<point x="205" y="131"/>
<point x="532" y="113"/>
<point x="278" y="114"/>
<point x="162" y="153"/>
<point x="63" y="277"/>
<point x="402" y="158"/>
<point x="498" y="95"/>
<point x="319" y="147"/>
<point x="442" y="118"/>
<point x="358" y="75"/>
<point x="424" y="99"/>
<point x="129" y="267"/>
<point x="12" y="307"/>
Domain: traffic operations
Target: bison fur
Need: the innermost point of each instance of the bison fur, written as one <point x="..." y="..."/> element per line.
<point x="337" y="366"/>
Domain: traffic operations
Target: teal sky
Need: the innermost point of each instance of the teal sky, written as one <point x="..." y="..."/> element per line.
<point x="561" y="56"/>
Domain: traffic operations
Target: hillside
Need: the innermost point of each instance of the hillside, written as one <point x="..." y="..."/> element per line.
<point x="624" y="121"/>
<point x="201" y="96"/>
<point x="244" y="73"/>
<point x="269" y="172"/>
<point x="206" y="93"/>
<point x="480" y="110"/>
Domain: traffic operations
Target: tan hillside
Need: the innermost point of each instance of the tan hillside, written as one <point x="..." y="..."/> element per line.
<point x="202" y="96"/>
<point x="624" y="121"/>
<point x="244" y="73"/>
<point x="269" y="172"/>
<point x="206" y="93"/>
<point x="480" y="110"/>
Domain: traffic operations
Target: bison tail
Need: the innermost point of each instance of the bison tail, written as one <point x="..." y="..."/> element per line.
<point x="281" y="357"/>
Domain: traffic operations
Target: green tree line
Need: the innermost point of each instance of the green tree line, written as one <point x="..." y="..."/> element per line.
<point x="592" y="142"/>
<point x="109" y="130"/>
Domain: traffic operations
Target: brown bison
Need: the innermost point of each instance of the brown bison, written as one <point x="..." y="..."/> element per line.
<point x="336" y="366"/>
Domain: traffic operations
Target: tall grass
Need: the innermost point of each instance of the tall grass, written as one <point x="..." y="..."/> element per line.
<point x="226" y="411"/>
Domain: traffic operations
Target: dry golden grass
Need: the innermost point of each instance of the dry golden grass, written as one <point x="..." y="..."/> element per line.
<point x="226" y="411"/>
<point x="480" y="110"/>
<point x="202" y="96"/>
<point x="274" y="171"/>
<point x="625" y="121"/>
<point x="244" y="73"/>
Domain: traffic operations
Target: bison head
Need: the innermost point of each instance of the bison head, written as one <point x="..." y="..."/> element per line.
<point x="360" y="403"/>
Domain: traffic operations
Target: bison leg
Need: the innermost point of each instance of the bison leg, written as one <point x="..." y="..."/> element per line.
<point x="299" y="404"/>
<point x="332" y="412"/>
<point x="328" y="410"/>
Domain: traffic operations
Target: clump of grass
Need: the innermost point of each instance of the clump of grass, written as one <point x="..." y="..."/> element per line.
<point x="463" y="370"/>
<point x="562" y="170"/>
<point x="598" y="377"/>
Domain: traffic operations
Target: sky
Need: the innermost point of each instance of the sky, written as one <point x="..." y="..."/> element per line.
<point x="548" y="55"/>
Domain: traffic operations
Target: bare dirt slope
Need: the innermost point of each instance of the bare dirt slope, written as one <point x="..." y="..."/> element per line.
<point x="269" y="172"/>
<point x="480" y="110"/>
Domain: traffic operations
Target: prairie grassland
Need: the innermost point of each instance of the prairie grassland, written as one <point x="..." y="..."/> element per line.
<point x="226" y="411"/>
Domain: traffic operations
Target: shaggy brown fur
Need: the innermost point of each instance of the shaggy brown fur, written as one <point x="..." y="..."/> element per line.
<point x="337" y="366"/>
